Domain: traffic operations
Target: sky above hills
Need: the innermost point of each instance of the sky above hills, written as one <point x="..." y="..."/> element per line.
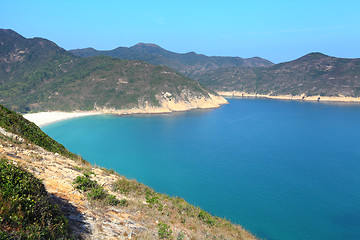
<point x="276" y="30"/>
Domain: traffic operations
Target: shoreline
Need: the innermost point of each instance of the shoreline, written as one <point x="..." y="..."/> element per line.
<point x="44" y="118"/>
<point x="318" y="98"/>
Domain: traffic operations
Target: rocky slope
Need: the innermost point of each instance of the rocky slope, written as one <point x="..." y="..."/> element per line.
<point x="190" y="64"/>
<point x="314" y="74"/>
<point x="37" y="75"/>
<point x="112" y="207"/>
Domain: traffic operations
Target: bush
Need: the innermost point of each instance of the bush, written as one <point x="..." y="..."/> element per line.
<point x="113" y="201"/>
<point x="96" y="192"/>
<point x="84" y="183"/>
<point x="207" y="218"/>
<point x="151" y="197"/>
<point x="15" y="123"/>
<point x="164" y="231"/>
<point x="26" y="211"/>
<point x="123" y="202"/>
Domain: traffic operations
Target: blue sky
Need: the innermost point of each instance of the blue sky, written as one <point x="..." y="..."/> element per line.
<point x="275" y="30"/>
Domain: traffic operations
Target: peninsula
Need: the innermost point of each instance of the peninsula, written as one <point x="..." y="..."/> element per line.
<point x="37" y="75"/>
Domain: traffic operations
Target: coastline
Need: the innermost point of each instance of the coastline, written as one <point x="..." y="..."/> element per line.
<point x="303" y="97"/>
<point x="44" y="118"/>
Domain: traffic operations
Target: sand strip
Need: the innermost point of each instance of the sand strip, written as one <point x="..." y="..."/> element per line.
<point x="167" y="106"/>
<point x="44" y="118"/>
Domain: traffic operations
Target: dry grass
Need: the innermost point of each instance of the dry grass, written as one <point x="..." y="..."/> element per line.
<point x="185" y="220"/>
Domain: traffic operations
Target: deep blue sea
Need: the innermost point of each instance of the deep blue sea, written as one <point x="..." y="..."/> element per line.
<point x="281" y="169"/>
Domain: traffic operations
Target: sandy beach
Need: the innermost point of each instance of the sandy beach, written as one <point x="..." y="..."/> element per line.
<point x="290" y="97"/>
<point x="44" y="118"/>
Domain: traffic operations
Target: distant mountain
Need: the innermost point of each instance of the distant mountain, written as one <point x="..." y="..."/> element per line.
<point x="190" y="64"/>
<point x="19" y="56"/>
<point x="36" y="74"/>
<point x="312" y="74"/>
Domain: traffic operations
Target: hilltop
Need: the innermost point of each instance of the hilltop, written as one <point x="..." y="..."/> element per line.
<point x="314" y="74"/>
<point x="38" y="75"/>
<point x="75" y="200"/>
<point x="190" y="64"/>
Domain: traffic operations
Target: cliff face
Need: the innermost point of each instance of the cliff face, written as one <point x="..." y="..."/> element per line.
<point x="168" y="104"/>
<point x="101" y="204"/>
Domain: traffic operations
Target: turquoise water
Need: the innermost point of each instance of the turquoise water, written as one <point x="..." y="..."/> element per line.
<point x="281" y="169"/>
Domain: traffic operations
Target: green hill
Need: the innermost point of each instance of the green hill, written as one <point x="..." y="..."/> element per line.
<point x="16" y="124"/>
<point x="190" y="64"/>
<point x="26" y="209"/>
<point x="37" y="75"/>
<point x="312" y="74"/>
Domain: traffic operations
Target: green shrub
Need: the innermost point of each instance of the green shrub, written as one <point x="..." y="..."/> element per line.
<point x="207" y="218"/>
<point x="113" y="201"/>
<point x="164" y="231"/>
<point x="4" y="235"/>
<point x="25" y="207"/>
<point x="84" y="183"/>
<point x="15" y="123"/>
<point x="123" y="202"/>
<point x="151" y="197"/>
<point x="96" y="192"/>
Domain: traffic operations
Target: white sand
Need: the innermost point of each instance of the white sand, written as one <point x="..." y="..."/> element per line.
<point x="44" y="118"/>
<point x="167" y="106"/>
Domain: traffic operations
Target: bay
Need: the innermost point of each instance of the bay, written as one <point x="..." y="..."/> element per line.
<point x="281" y="169"/>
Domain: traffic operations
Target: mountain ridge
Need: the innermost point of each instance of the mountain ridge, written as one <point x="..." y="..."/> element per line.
<point x="314" y="74"/>
<point x="190" y="64"/>
<point x="38" y="75"/>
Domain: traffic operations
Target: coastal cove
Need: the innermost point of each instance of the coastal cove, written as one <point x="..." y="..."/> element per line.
<point x="281" y="169"/>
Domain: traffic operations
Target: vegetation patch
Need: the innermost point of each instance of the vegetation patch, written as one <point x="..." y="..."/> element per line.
<point x="207" y="218"/>
<point x="26" y="211"/>
<point x="126" y="187"/>
<point x="17" y="124"/>
<point x="174" y="210"/>
<point x="50" y="78"/>
<point x="164" y="231"/>
<point x="96" y="192"/>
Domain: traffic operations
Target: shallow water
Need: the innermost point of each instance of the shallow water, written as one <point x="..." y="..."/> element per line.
<point x="281" y="169"/>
